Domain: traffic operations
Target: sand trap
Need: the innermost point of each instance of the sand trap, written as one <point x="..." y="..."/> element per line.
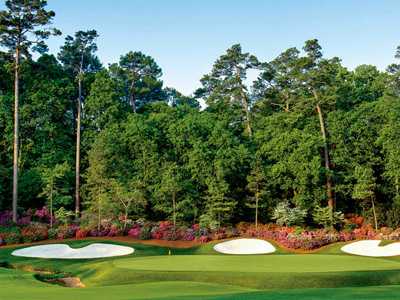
<point x="245" y="246"/>
<point x="63" y="251"/>
<point x="372" y="248"/>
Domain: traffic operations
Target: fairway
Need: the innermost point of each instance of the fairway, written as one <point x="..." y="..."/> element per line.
<point x="258" y="263"/>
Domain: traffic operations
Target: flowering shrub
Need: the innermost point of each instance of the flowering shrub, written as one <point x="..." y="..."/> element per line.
<point x="10" y="235"/>
<point x="81" y="233"/>
<point x="5" y="218"/>
<point x="134" y="232"/>
<point x="25" y="220"/>
<point x="293" y="237"/>
<point x="34" y="232"/>
<point x="188" y="235"/>
<point x="203" y="239"/>
<point x="42" y="215"/>
<point x="66" y="231"/>
<point x="114" y="231"/>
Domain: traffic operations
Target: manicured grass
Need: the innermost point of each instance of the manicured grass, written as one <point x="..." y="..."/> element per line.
<point x="200" y="273"/>
<point x="257" y="263"/>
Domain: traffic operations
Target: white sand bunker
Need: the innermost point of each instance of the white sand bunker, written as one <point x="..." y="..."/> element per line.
<point x="63" y="251"/>
<point x="245" y="246"/>
<point x="372" y="248"/>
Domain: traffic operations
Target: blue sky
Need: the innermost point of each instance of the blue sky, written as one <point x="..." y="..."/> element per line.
<point x="186" y="36"/>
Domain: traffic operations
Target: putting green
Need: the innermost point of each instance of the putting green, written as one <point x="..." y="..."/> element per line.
<point x="200" y="273"/>
<point x="259" y="263"/>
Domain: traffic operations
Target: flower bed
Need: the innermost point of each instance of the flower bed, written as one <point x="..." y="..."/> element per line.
<point x="289" y="237"/>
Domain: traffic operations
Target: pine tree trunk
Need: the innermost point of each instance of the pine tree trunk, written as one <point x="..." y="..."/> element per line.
<point x="245" y="104"/>
<point x="374" y="213"/>
<point x="78" y="150"/>
<point x="51" y="205"/>
<point x="174" y="210"/>
<point x="256" y="212"/>
<point x="132" y="97"/>
<point x="99" y="217"/>
<point x="329" y="183"/>
<point x="16" y="137"/>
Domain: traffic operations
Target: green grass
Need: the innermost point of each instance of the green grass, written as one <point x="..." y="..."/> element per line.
<point x="257" y="263"/>
<point x="200" y="273"/>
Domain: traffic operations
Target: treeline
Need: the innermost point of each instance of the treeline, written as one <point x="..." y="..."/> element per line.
<point x="305" y="142"/>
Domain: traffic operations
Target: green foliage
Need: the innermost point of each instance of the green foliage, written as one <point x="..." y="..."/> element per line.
<point x="284" y="215"/>
<point x="63" y="216"/>
<point x="149" y="152"/>
<point x="327" y="218"/>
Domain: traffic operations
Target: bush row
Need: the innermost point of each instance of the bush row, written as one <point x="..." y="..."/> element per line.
<point x="290" y="237"/>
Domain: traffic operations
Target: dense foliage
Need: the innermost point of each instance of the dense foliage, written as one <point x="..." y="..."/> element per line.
<point x="307" y="143"/>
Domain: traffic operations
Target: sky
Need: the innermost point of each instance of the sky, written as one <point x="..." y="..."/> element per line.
<point x="185" y="37"/>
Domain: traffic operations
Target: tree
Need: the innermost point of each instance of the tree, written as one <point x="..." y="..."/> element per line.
<point x="364" y="189"/>
<point x="54" y="188"/>
<point x="77" y="56"/>
<point x="219" y="207"/>
<point x="22" y="28"/>
<point x="175" y="98"/>
<point x="226" y="82"/>
<point x="127" y="197"/>
<point x="97" y="183"/>
<point x="318" y="77"/>
<point x="276" y="84"/>
<point x="103" y="106"/>
<point x="169" y="188"/>
<point x="141" y="76"/>
<point x="256" y="185"/>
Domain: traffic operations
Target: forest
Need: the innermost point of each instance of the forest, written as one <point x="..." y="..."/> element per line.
<point x="307" y="142"/>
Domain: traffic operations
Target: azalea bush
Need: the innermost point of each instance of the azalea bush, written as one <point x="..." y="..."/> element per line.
<point x="293" y="237"/>
<point x="10" y="234"/>
<point x="34" y="232"/>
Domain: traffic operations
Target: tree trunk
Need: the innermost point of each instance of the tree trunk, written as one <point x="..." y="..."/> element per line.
<point x="174" y="210"/>
<point x="286" y="96"/>
<point x="256" y="211"/>
<point x="329" y="183"/>
<point x="374" y="213"/>
<point x="51" y="205"/>
<point x="125" y="218"/>
<point x="245" y="104"/>
<point x="99" y="216"/>
<point x="16" y="137"/>
<point x="132" y="97"/>
<point x="78" y="149"/>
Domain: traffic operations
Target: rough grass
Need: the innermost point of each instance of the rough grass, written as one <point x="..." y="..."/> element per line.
<point x="201" y="273"/>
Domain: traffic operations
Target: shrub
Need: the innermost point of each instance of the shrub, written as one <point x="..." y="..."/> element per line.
<point x="63" y="216"/>
<point x="10" y="235"/>
<point x="81" y="233"/>
<point x="188" y="235"/>
<point x="6" y="218"/>
<point x="34" y="232"/>
<point x="326" y="217"/>
<point x="203" y="239"/>
<point x="145" y="233"/>
<point x="114" y="231"/>
<point x="134" y="232"/>
<point x="66" y="231"/>
<point x="52" y="233"/>
<point x="285" y="215"/>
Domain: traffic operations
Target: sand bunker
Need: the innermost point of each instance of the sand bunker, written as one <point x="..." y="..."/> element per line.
<point x="245" y="246"/>
<point x="63" y="251"/>
<point x="371" y="248"/>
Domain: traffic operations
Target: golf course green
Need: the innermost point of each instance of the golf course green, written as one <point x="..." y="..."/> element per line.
<point x="201" y="273"/>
